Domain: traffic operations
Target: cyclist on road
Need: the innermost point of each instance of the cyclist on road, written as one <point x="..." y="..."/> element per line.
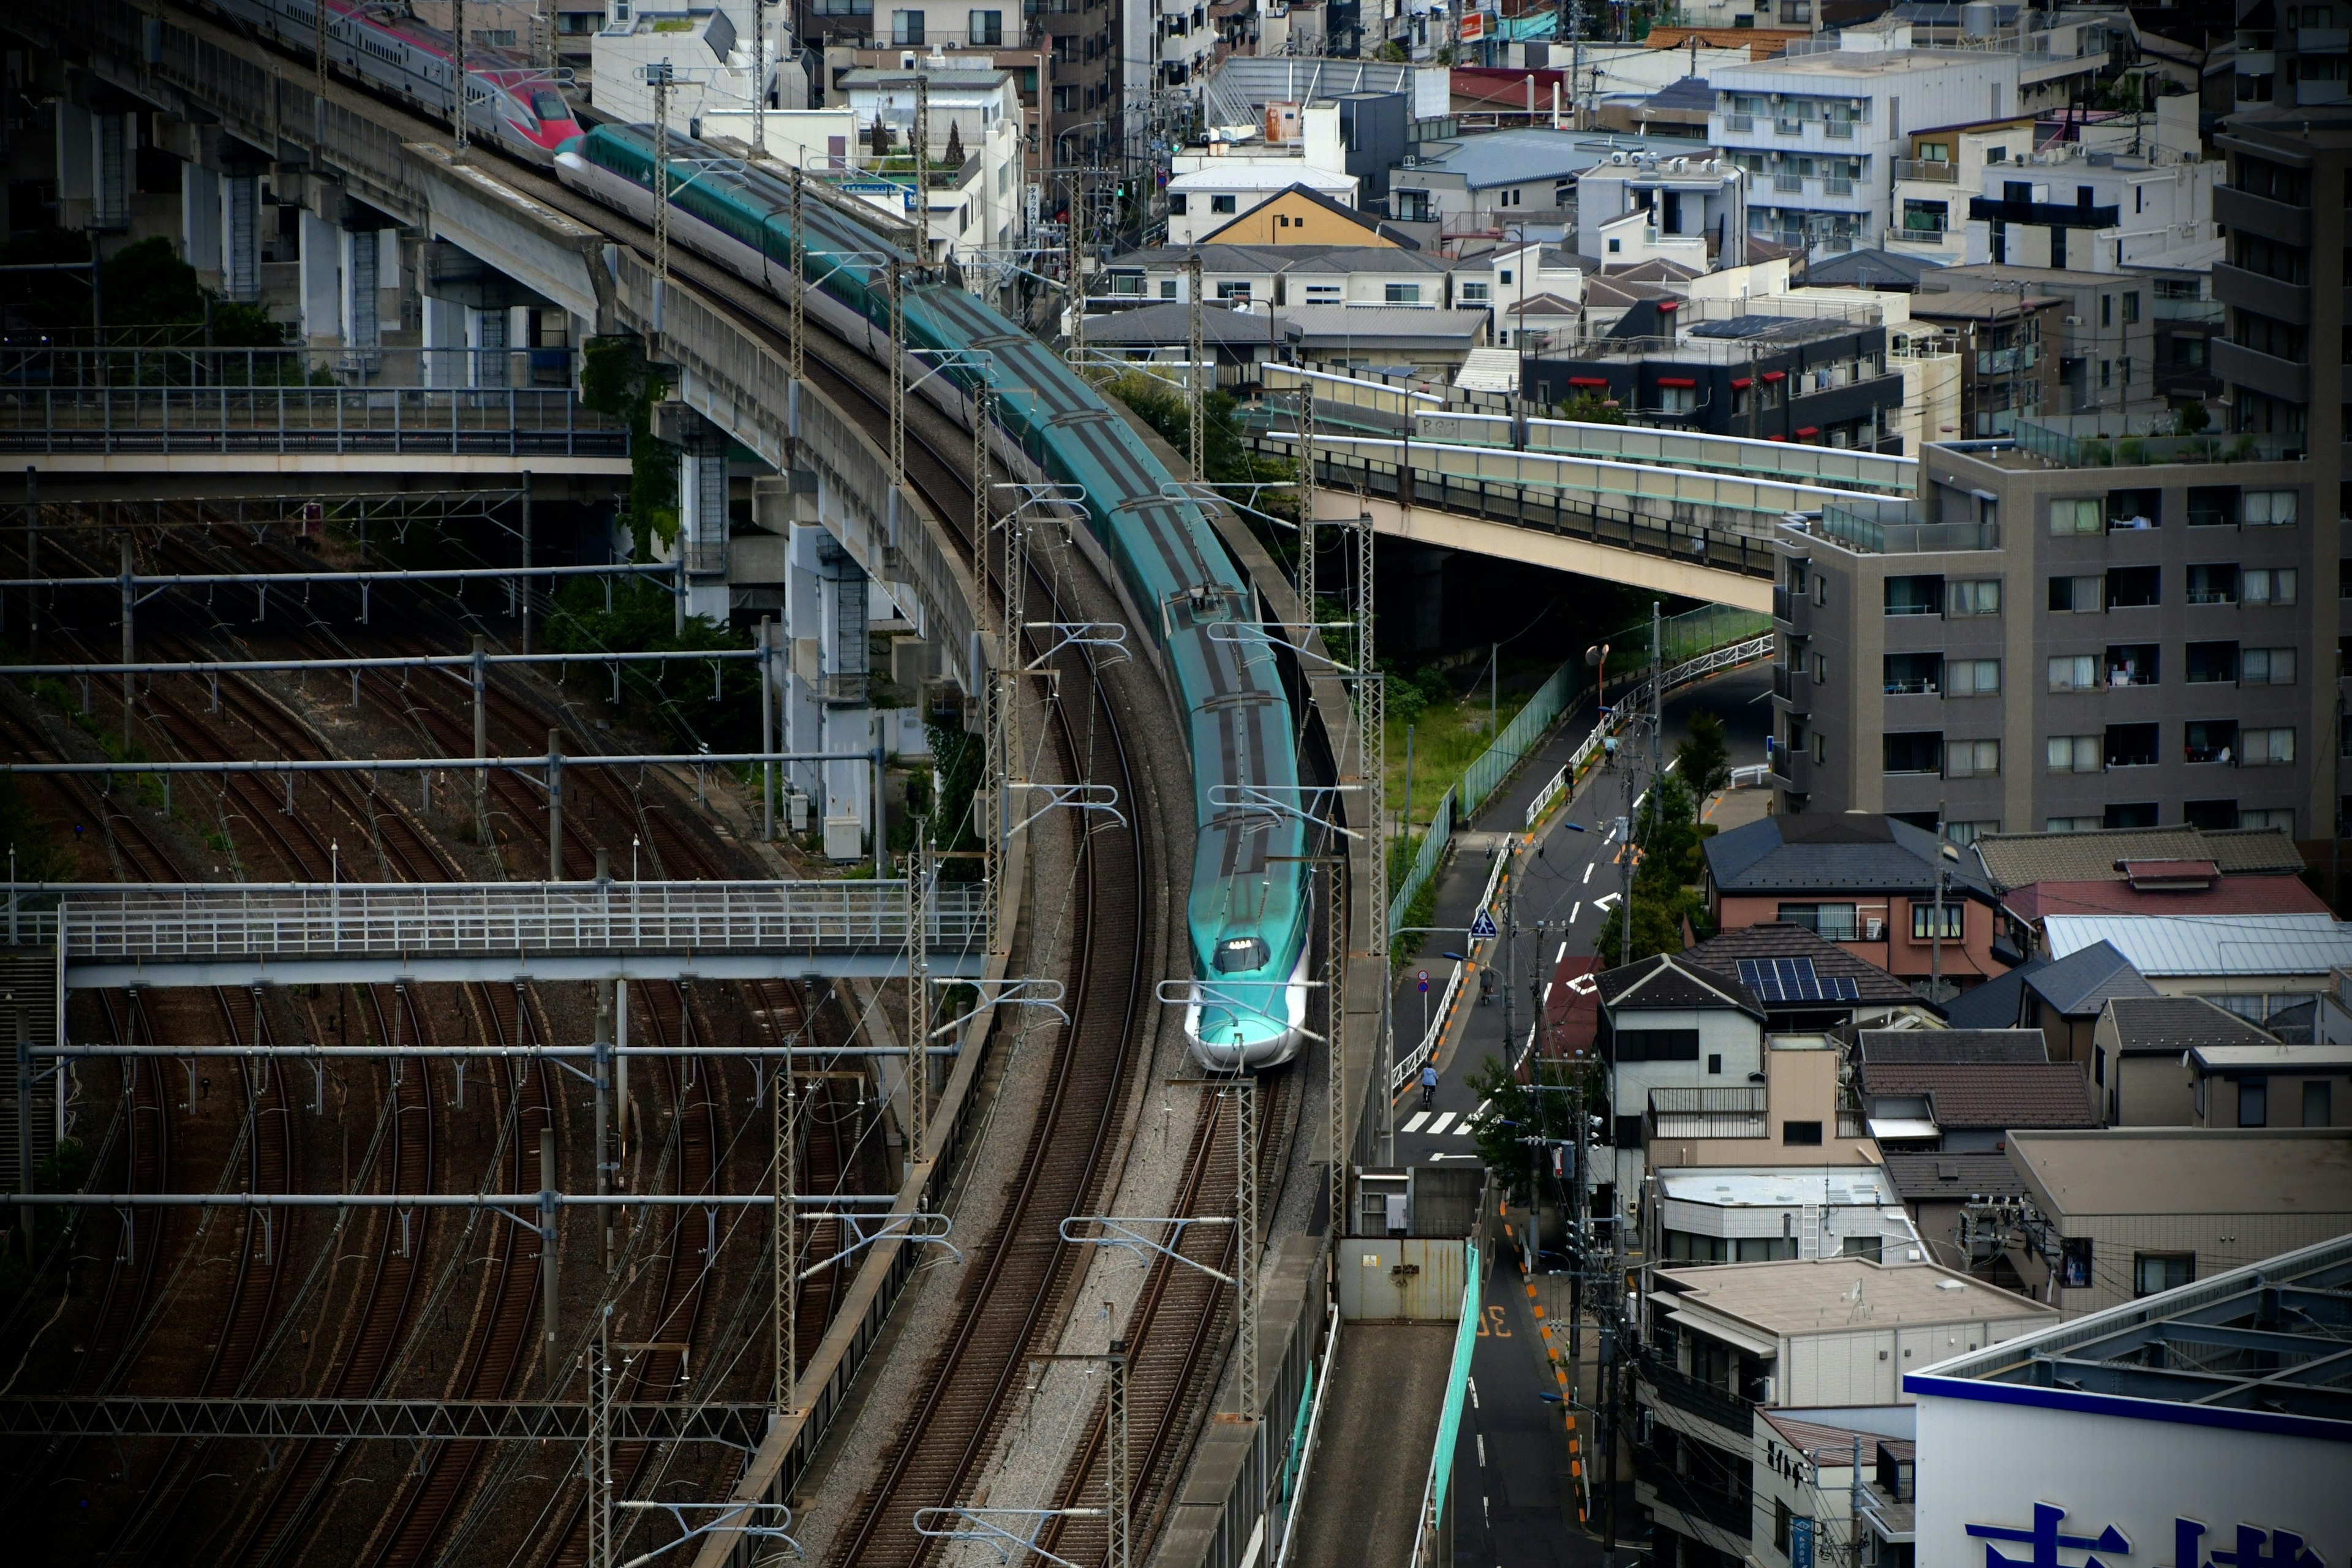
<point x="1428" y="1084"/>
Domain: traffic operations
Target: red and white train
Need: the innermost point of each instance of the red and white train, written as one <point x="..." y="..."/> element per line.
<point x="512" y="101"/>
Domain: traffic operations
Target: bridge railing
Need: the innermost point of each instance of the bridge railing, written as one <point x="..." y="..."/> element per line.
<point x="1566" y="513"/>
<point x="425" y="421"/>
<point x="402" y="919"/>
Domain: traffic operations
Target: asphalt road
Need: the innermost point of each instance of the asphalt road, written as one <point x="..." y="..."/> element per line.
<point x="1513" y="1502"/>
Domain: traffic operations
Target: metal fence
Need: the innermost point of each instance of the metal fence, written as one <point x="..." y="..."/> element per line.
<point x="295" y="920"/>
<point x="298" y="420"/>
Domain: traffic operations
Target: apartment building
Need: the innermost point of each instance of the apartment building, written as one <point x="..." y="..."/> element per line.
<point x="2092" y="629"/>
<point x="2095" y="211"/>
<point x="2005" y="337"/>
<point x="1820" y="132"/>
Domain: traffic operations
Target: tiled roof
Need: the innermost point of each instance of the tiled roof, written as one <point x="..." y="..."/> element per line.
<point x="2085" y="982"/>
<point x="1616" y="288"/>
<point x="1996" y="1003"/>
<point x="1842" y="853"/>
<point x="1952" y="1177"/>
<point x="1722" y="954"/>
<point x="1864" y="269"/>
<point x="1915" y="1045"/>
<point x="2171" y="1025"/>
<point x="1832" y="1447"/>
<point x="1991" y="1094"/>
<point x="1671" y="981"/>
<point x="1657" y="269"/>
<point x="2228" y="896"/>
<point x="2019" y="860"/>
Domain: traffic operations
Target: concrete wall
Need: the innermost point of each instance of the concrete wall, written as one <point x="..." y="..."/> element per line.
<point x="1398" y="1276"/>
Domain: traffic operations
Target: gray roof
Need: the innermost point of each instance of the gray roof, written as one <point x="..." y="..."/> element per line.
<point x="1379" y="326"/>
<point x="1519" y="157"/>
<point x="1997" y="1004"/>
<point x="1953" y="1177"/>
<point x="1980" y="1045"/>
<point x="1868" y="269"/>
<point x="2086" y="980"/>
<point x="1836" y="853"/>
<point x="1165" y="324"/>
<point x="2019" y="860"/>
<point x="1670" y="983"/>
<point x="2170" y="1025"/>
<point x="1690" y="92"/>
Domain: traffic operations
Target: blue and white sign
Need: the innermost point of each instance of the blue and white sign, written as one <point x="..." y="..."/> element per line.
<point x="1482" y="927"/>
<point x="1800" y="1542"/>
<point x="2048" y="1544"/>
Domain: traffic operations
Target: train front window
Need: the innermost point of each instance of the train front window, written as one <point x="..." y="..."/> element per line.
<point x="549" y="106"/>
<point x="1237" y="953"/>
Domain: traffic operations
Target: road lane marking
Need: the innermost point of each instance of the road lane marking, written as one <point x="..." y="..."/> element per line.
<point x="1438" y="1126"/>
<point x="1418" y="1118"/>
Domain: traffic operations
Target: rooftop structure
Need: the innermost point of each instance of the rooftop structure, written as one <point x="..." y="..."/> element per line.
<point x="2235" y="1388"/>
<point x="1972" y="1106"/>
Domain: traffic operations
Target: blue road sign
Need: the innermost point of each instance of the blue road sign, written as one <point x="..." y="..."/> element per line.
<point x="1482" y="928"/>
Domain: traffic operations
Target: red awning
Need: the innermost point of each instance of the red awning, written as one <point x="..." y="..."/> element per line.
<point x="1808" y="430"/>
<point x="1740" y="384"/>
<point x="1665" y="305"/>
<point x="1676" y="381"/>
<point x="1588" y="381"/>
<point x="1776" y="375"/>
<point x="1776" y="437"/>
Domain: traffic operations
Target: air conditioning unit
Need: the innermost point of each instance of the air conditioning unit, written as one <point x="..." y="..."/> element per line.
<point x="2073" y="320"/>
<point x="1873" y="930"/>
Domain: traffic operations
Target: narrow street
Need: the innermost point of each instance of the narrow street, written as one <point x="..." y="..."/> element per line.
<point x="1515" y="1503"/>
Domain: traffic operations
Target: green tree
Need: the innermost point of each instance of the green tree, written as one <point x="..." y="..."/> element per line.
<point x="1668" y="835"/>
<point x="1517" y="1111"/>
<point x="1590" y="407"/>
<point x="1703" y="758"/>
<point x="616" y="381"/>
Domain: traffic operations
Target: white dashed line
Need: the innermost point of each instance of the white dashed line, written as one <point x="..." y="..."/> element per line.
<point x="1573" y="913"/>
<point x="1562" y="952"/>
<point x="1588" y="870"/>
<point x="1438" y="1126"/>
<point x="1418" y="1118"/>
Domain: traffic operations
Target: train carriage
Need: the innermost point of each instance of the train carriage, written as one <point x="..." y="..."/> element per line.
<point x="1247" y="908"/>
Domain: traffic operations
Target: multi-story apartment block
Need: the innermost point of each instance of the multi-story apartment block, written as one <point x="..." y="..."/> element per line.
<point x="1064" y="54"/>
<point x="2091" y="629"/>
<point x="2005" y="337"/>
<point x="1820" y="132"/>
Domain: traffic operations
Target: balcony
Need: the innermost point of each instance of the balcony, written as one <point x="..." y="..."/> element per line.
<point x="1788" y="128"/>
<point x="2273" y="298"/>
<point x="1837" y="187"/>
<point x="2237" y="210"/>
<point x="2053" y="214"/>
<point x="1735" y="1112"/>
<point x="2003" y="362"/>
<point x="2103" y="441"/>
<point x="1789" y="184"/>
<point x="1703" y="1400"/>
<point x="1693" y="1497"/>
<point x="1741" y="124"/>
<point x="2195" y="313"/>
<point x="1931" y="173"/>
<point x="1838" y="130"/>
<point x="2242" y="366"/>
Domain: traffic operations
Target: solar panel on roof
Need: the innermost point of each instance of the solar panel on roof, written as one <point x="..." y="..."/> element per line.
<point x="1794" y="980"/>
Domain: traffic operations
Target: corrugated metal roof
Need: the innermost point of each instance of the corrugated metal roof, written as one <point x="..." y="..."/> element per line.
<point x="2209" y="944"/>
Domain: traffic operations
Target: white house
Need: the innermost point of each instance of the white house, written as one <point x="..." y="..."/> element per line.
<point x="1819" y="133"/>
<point x="710" y="52"/>
<point x="2095" y="211"/>
<point x="1690" y="210"/>
<point x="1209" y="197"/>
<point x="1667" y="1023"/>
<point x="978" y="204"/>
<point x="1928" y="215"/>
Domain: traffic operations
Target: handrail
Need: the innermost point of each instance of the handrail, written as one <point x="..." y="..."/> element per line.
<point x="1572" y="772"/>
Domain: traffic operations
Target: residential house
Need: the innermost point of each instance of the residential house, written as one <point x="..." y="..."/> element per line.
<point x="2104" y="337"/>
<point x="2061" y="998"/>
<point x="1666" y="1023"/>
<point x="2269" y="1084"/>
<point x="1797" y="1111"/>
<point x="1284" y="273"/>
<point x="2153" y="860"/>
<point x="1970" y="1108"/>
<point x="1505" y="185"/>
<point x="1866" y="883"/>
<point x="977" y="205"/>
<point x="1944" y="171"/>
<point x="1878" y="271"/>
<point x="1241" y="341"/>
<point x="1538" y="287"/>
<point x="1687" y="209"/>
<point x="2006" y="340"/>
<point x="1819" y="133"/>
<point x="2145" y="1044"/>
<point x="1426" y="342"/>
<point x="2124" y="1211"/>
<point x="1723" y="1344"/>
<point x="1936" y="1187"/>
<point x="1204" y="200"/>
<point x="1805" y="984"/>
<point x="2258" y="966"/>
<point x="1726" y="1215"/>
<point x="1957" y="1045"/>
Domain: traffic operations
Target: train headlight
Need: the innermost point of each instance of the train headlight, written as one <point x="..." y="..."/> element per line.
<point x="1237" y="954"/>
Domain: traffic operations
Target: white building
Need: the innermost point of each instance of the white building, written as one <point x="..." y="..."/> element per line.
<point x="712" y="56"/>
<point x="1946" y="167"/>
<point x="1720" y="1214"/>
<point x="1212" y="196"/>
<point x="979" y="203"/>
<point x="2200" y="1424"/>
<point x="2095" y="211"/>
<point x="1819" y="133"/>
<point x="1690" y="210"/>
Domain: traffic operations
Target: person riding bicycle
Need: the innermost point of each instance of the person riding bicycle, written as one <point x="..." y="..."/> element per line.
<point x="1428" y="1084"/>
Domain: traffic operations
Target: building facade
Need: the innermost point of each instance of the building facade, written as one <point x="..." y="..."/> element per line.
<point x="2097" y="638"/>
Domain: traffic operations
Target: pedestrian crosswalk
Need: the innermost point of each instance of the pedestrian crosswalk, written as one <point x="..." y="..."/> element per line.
<point x="1445" y="1122"/>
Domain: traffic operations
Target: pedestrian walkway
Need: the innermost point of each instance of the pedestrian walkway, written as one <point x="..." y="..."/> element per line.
<point x="1371" y="1460"/>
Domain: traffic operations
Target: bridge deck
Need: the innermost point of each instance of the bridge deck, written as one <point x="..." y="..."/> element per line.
<point x="1372" y="1461"/>
<point x="219" y="934"/>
